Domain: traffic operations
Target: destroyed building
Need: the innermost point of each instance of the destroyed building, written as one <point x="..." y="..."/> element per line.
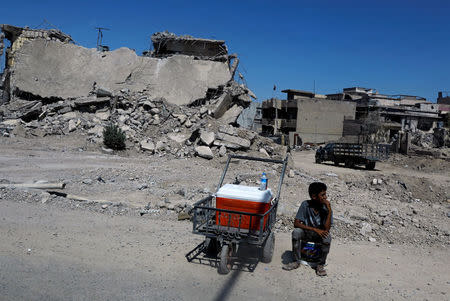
<point x="180" y="99"/>
<point x="395" y="112"/>
<point x="17" y="36"/>
<point x="305" y="117"/>
<point x="280" y="116"/>
<point x="165" y="43"/>
<point x="315" y="118"/>
<point x="63" y="70"/>
<point x="443" y="102"/>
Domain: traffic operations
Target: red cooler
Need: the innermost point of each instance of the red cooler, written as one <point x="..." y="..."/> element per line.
<point x="245" y="199"/>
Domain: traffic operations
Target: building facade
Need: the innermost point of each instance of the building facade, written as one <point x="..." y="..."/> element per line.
<point x="321" y="120"/>
<point x="307" y="117"/>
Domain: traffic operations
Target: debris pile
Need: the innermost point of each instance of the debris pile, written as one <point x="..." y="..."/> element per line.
<point x="388" y="208"/>
<point x="190" y="114"/>
<point x="154" y="125"/>
<point x="440" y="137"/>
<point x="423" y="139"/>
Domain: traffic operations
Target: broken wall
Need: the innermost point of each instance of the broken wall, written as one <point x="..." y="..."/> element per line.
<point x="247" y="117"/>
<point x="320" y="121"/>
<point x="167" y="43"/>
<point x="188" y="47"/>
<point x="18" y="35"/>
<point x="55" y="69"/>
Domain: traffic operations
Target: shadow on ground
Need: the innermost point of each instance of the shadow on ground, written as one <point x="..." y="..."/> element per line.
<point x="356" y="167"/>
<point x="245" y="260"/>
<point x="287" y="257"/>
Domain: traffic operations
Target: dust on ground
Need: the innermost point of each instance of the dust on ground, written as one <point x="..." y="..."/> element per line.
<point x="126" y="243"/>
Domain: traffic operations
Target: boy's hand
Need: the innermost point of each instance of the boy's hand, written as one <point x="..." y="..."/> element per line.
<point x="326" y="202"/>
<point x="322" y="233"/>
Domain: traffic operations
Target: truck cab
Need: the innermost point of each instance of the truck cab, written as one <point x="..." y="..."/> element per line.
<point x="324" y="153"/>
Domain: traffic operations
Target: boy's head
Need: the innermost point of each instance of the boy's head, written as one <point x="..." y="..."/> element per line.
<point x="315" y="189"/>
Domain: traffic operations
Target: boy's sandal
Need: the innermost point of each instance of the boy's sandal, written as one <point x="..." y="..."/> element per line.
<point x="291" y="266"/>
<point x="320" y="271"/>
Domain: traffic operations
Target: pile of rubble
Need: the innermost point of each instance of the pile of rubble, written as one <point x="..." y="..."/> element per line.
<point x="440" y="137"/>
<point x="181" y="99"/>
<point x="208" y="128"/>
<point x="387" y="208"/>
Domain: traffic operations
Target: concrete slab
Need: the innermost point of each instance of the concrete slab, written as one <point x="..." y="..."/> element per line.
<point x="56" y="69"/>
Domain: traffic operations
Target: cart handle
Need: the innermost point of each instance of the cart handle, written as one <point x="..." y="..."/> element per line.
<point x="283" y="171"/>
<point x="205" y="199"/>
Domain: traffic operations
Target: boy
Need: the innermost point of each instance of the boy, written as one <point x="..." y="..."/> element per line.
<point x="312" y="223"/>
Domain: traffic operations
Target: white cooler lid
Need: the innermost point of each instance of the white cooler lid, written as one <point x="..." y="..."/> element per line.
<point x="246" y="193"/>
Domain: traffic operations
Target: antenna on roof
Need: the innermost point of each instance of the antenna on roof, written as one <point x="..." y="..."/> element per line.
<point x="100" y="47"/>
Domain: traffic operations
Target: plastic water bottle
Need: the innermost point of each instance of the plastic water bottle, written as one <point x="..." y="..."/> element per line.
<point x="263" y="185"/>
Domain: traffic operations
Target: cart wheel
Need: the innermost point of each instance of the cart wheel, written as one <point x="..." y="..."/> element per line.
<point x="318" y="161"/>
<point x="225" y="263"/>
<point x="267" y="250"/>
<point x="211" y="247"/>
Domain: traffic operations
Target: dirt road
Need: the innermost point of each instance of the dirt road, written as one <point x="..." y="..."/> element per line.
<point x="54" y="248"/>
<point x="306" y="161"/>
<point x="52" y="253"/>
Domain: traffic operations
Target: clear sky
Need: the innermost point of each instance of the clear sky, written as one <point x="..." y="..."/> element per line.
<point x="396" y="47"/>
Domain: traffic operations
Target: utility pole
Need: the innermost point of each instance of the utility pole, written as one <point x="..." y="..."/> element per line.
<point x="100" y="35"/>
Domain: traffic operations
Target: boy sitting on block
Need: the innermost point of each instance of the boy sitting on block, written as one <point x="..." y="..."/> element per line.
<point x="312" y="224"/>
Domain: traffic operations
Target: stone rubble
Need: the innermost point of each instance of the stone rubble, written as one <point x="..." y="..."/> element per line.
<point x="177" y="114"/>
<point x="390" y="211"/>
<point x="153" y="125"/>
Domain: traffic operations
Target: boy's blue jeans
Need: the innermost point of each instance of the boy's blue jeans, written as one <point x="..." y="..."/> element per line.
<point x="299" y="235"/>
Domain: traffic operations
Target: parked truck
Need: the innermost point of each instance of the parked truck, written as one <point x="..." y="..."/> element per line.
<point x="352" y="154"/>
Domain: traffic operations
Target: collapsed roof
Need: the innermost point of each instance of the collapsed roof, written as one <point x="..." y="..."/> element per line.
<point x="166" y="43"/>
<point x="13" y="32"/>
<point x="43" y="63"/>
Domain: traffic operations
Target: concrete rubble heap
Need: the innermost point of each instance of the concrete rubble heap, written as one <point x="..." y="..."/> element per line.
<point x="181" y="99"/>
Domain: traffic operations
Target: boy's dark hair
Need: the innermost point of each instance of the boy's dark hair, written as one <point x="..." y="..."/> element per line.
<point x="316" y="188"/>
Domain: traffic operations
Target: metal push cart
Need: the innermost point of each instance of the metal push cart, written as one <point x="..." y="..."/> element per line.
<point x="224" y="230"/>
